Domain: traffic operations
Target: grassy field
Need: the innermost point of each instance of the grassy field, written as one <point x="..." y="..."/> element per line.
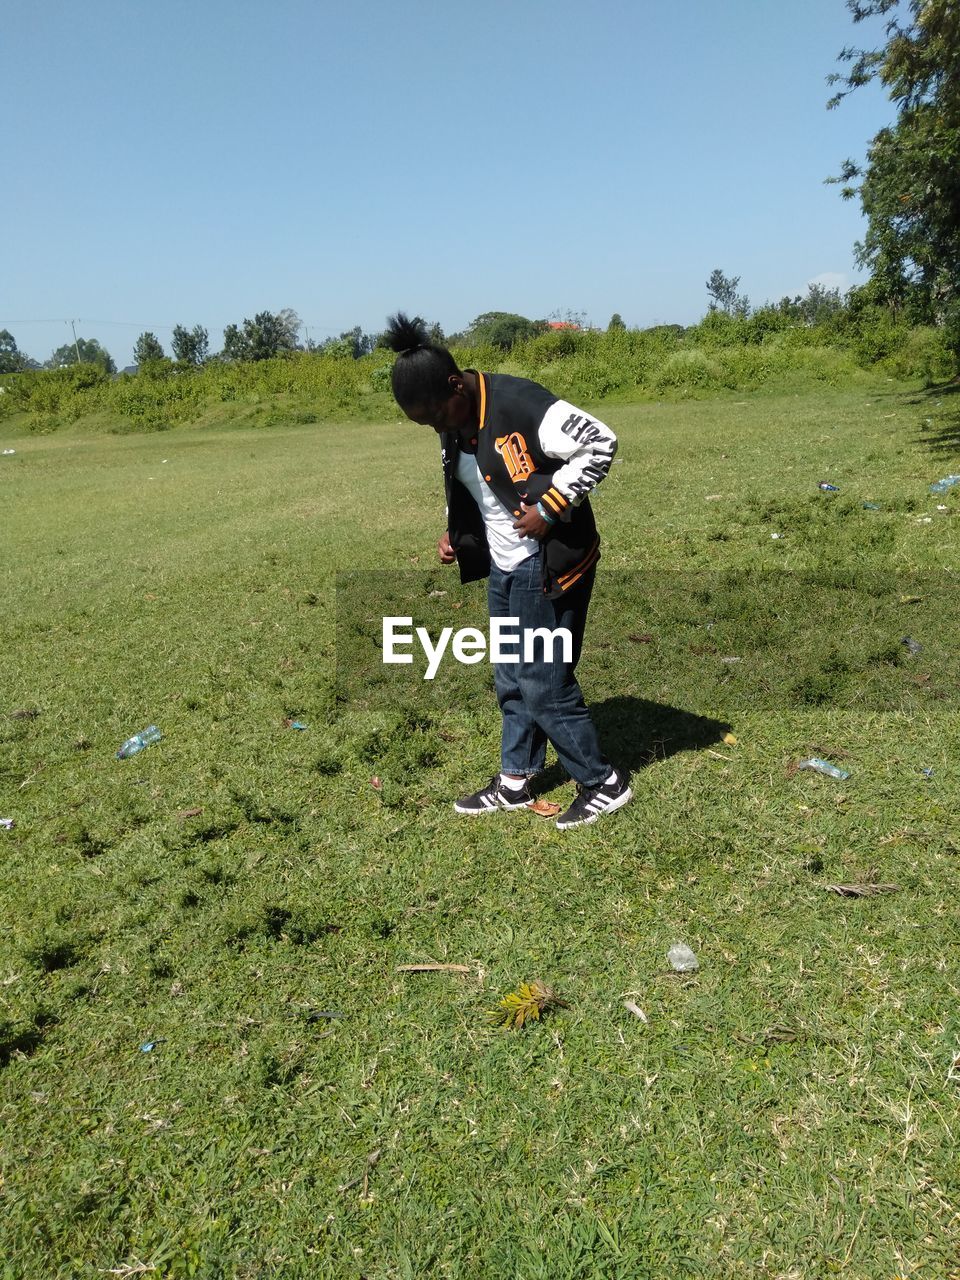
<point x="240" y="896"/>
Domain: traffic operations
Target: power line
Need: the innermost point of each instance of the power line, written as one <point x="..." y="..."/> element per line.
<point x="142" y="324"/>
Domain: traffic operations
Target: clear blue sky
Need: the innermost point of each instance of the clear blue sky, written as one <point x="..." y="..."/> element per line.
<point x="196" y="161"/>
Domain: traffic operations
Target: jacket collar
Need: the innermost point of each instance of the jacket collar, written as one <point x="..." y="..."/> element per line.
<point x="483" y="395"/>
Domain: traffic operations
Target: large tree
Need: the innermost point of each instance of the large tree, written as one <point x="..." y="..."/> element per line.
<point x="264" y="336"/>
<point x="190" y="346"/>
<point x="12" y="359"/>
<point x="909" y="183"/>
<point x="501" y="329"/>
<point x="83" y="351"/>
<point x="722" y="291"/>
<point x="147" y="347"/>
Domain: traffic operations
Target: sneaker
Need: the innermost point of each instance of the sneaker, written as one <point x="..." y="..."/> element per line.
<point x="494" y="796"/>
<point x="591" y="802"/>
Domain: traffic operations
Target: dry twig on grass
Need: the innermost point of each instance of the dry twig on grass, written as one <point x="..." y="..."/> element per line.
<point x="860" y="890"/>
<point x="372" y="1159"/>
<point x="433" y="968"/>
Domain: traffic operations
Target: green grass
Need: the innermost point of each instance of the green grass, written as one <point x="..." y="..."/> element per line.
<point x="786" y="1111"/>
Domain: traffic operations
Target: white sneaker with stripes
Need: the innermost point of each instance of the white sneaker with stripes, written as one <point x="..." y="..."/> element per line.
<point x="592" y="802"/>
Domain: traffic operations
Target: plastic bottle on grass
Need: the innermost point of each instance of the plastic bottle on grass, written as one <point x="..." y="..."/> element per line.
<point x="682" y="958"/>
<point x="138" y="742"/>
<point x="823" y="766"/>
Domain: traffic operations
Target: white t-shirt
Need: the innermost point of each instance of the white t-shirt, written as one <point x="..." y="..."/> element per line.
<point x="507" y="548"/>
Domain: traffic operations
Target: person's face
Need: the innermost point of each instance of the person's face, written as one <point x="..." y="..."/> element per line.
<point x="455" y="413"/>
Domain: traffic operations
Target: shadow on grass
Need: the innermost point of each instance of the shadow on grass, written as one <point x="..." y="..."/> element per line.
<point x="944" y="434"/>
<point x="635" y="733"/>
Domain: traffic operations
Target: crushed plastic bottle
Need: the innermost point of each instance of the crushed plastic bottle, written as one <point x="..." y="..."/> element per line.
<point x="823" y="766"/>
<point x="913" y="645"/>
<point x="946" y="483"/>
<point x="871" y="506"/>
<point x="138" y="742"/>
<point x="828" y="488"/>
<point x="682" y="958"/>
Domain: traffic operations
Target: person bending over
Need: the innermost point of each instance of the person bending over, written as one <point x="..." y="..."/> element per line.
<point x="518" y="464"/>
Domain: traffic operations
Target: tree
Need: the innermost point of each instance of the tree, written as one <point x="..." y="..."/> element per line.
<point x="616" y="324"/>
<point x="190" y="346"/>
<point x="234" y="344"/>
<point x="290" y="324"/>
<point x="13" y="360"/>
<point x="501" y="329"/>
<point x="90" y="352"/>
<point x="909" y="185"/>
<point x="354" y="342"/>
<point x="723" y="294"/>
<point x="147" y="347"/>
<point x="263" y="337"/>
<point x="820" y="304"/>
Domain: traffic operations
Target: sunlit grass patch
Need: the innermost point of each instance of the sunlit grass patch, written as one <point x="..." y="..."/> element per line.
<point x="243" y="898"/>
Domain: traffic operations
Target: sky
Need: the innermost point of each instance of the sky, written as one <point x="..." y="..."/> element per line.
<point x="197" y="161"/>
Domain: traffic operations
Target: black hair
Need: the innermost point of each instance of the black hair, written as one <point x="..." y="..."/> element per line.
<point x="422" y="369"/>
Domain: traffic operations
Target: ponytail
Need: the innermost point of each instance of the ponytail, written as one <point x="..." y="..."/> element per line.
<point x="422" y="369"/>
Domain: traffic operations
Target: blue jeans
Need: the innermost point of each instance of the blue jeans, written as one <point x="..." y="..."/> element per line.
<point x="539" y="700"/>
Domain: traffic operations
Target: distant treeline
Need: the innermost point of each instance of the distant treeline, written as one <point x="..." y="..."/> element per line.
<point x="731" y="348"/>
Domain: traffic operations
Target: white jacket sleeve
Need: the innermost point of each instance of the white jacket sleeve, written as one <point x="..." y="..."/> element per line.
<point x="584" y="444"/>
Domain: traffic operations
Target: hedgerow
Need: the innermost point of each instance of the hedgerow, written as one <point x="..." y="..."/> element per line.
<point x="766" y="349"/>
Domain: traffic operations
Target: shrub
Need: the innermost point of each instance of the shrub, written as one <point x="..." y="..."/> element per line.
<point x="688" y="370"/>
<point x="924" y="353"/>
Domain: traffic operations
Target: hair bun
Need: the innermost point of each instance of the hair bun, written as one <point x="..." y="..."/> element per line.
<point x="405" y="335"/>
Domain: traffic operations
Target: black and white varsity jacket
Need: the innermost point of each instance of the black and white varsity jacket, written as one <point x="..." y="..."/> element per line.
<point x="534" y="447"/>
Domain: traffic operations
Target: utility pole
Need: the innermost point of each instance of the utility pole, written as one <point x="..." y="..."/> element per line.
<point x="75" y="343"/>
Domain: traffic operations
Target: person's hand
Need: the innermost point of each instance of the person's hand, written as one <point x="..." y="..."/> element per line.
<point x="531" y="524"/>
<point x="447" y="553"/>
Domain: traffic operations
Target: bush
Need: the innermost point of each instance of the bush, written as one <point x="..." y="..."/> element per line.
<point x="925" y="353"/>
<point x="688" y="370"/>
<point x="877" y="335"/>
<point x="736" y="353"/>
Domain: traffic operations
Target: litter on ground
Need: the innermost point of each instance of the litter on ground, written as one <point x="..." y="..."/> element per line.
<point x="825" y="767"/>
<point x="682" y="958"/>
